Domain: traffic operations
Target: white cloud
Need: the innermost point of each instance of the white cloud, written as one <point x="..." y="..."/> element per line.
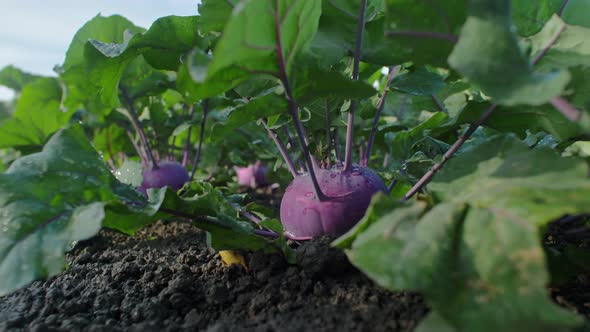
<point x="35" y="34"/>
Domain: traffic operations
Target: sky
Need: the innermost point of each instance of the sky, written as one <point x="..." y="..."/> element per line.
<point x="35" y="34"/>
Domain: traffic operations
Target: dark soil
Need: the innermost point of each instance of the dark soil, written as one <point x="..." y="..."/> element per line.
<point x="166" y="279"/>
<point x="569" y="238"/>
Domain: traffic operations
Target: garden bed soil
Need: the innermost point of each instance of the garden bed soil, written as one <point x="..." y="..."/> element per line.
<point x="166" y="279"/>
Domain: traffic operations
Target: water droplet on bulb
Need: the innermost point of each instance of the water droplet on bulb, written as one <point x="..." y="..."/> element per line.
<point x="309" y="194"/>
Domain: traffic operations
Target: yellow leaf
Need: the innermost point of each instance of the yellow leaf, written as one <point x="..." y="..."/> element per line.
<point x="230" y="257"/>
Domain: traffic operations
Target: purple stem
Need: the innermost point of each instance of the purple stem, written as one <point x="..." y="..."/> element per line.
<point x="171" y="148"/>
<point x="328" y="134"/>
<point x="256" y="220"/>
<point x="140" y="153"/>
<point x="282" y="149"/>
<point x="567" y="109"/>
<point x="386" y="160"/>
<point x="424" y="34"/>
<point x="214" y="220"/>
<point x="355" y="76"/>
<point x="314" y="161"/>
<point x="265" y="233"/>
<point x="245" y="213"/>
<point x="428" y="176"/>
<point x="562" y="105"/>
<point x="337" y="147"/>
<point x="549" y="45"/>
<point x="109" y="148"/>
<point x="289" y="138"/>
<point x="362" y="152"/>
<point x="563" y="5"/>
<point x="391" y="185"/>
<point x="201" y="135"/>
<point x="138" y="128"/>
<point x="440" y="105"/>
<point x="187" y="147"/>
<point x="380" y="107"/>
<point x="293" y="108"/>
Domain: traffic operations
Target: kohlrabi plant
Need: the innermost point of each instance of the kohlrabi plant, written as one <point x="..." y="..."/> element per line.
<point x="353" y="108"/>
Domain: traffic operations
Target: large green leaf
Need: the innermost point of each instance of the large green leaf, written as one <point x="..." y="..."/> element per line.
<point x="211" y="211"/>
<point x="83" y="77"/>
<point x="380" y="206"/>
<point x="37" y="116"/>
<point x="570" y="48"/>
<point x="249" y="44"/>
<point x="214" y="14"/>
<point x="104" y="61"/>
<point x="518" y="119"/>
<point x="408" y="26"/>
<point x="16" y="79"/>
<point x="576" y="12"/>
<point x="255" y="109"/>
<point x="535" y="185"/>
<point x="496" y="62"/>
<point x="109" y="29"/>
<point x="48" y="200"/>
<point x="476" y="255"/>
<point x="425" y="31"/>
<point x="419" y="82"/>
<point x="401" y="142"/>
<point x="530" y="16"/>
<point x="314" y="83"/>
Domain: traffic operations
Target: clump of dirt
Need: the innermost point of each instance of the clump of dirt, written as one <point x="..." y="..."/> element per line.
<point x="167" y="279"/>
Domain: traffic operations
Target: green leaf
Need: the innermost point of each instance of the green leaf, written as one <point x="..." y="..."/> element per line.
<point x="380" y="206"/>
<point x="249" y="47"/>
<point x="49" y="200"/>
<point x="263" y="106"/>
<point x="530" y="16"/>
<point x="496" y="63"/>
<point x="494" y="199"/>
<point x="535" y="185"/>
<point x="104" y="61"/>
<point x="498" y="274"/>
<point x="191" y="81"/>
<point x="316" y="83"/>
<point x="225" y="232"/>
<point x="16" y="79"/>
<point x="518" y="119"/>
<point x="214" y="14"/>
<point x="84" y="75"/>
<point x="106" y="29"/>
<point x="571" y="47"/>
<point x="37" y="116"/>
<point x="434" y="323"/>
<point x="576" y="13"/>
<point x="131" y="173"/>
<point x="408" y="239"/>
<point x="580" y="88"/>
<point x="130" y="215"/>
<point x="420" y="82"/>
<point x="424" y="31"/>
<point x="401" y="142"/>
